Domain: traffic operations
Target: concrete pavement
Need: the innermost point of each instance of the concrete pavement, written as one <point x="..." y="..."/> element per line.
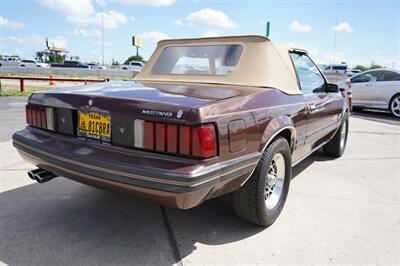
<point x="343" y="211"/>
<point x="12" y="116"/>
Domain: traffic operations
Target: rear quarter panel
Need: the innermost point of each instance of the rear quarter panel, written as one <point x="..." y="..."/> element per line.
<point x="264" y="112"/>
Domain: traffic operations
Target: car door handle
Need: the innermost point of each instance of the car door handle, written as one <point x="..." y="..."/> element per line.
<point x="312" y="107"/>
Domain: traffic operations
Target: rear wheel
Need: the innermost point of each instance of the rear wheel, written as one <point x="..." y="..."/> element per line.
<point x="394" y="106"/>
<point x="261" y="199"/>
<point x="336" y="146"/>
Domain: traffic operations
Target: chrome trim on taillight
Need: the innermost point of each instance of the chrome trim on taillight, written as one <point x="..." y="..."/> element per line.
<point x="139" y="133"/>
<point x="50" y="118"/>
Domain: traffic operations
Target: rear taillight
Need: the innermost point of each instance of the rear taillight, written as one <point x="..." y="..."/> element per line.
<point x="40" y="116"/>
<point x="193" y="141"/>
<point x="204" y="144"/>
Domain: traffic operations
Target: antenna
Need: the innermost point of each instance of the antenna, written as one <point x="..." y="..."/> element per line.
<point x="267" y="28"/>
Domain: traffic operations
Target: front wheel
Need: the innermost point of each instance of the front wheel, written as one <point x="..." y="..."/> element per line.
<point x="261" y="199"/>
<point x="394" y="106"/>
<point x="336" y="146"/>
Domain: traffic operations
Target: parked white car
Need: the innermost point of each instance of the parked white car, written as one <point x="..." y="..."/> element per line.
<point x="378" y="88"/>
<point x="133" y="65"/>
<point x="353" y="72"/>
<point x="96" y="66"/>
<point x="32" y="63"/>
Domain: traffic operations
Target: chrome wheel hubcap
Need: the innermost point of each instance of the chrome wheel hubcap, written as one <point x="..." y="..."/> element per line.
<point x="395" y="106"/>
<point x="274" y="181"/>
<point x="343" y="135"/>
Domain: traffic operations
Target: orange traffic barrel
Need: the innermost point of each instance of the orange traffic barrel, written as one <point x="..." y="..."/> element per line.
<point x="51" y="81"/>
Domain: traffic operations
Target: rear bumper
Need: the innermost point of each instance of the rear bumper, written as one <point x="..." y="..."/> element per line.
<point x="177" y="182"/>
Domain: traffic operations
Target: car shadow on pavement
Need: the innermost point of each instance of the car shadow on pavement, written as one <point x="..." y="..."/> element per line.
<point x="62" y="222"/>
<point x="317" y="156"/>
<point x="377" y="116"/>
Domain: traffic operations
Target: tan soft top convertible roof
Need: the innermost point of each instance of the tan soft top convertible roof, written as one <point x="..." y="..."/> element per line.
<point x="262" y="64"/>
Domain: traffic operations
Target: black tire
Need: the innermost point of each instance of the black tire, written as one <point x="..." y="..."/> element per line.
<point x="395" y="97"/>
<point x="249" y="201"/>
<point x="334" y="148"/>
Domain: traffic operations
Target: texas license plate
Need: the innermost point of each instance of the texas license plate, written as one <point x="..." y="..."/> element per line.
<point x="95" y="125"/>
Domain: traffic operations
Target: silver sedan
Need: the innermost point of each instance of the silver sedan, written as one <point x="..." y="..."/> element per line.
<point x="378" y="88"/>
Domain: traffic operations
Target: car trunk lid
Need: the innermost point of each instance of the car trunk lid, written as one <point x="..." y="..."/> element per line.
<point x="147" y="101"/>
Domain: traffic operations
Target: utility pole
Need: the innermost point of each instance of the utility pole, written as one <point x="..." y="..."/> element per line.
<point x="102" y="38"/>
<point x="334" y="43"/>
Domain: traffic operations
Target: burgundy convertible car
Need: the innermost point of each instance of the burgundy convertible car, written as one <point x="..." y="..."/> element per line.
<point x="205" y="117"/>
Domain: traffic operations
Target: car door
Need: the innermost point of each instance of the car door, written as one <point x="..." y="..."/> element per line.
<point x="387" y="85"/>
<point x="363" y="87"/>
<point x="322" y="107"/>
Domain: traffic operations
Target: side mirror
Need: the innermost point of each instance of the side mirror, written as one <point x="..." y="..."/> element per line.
<point x="332" y="88"/>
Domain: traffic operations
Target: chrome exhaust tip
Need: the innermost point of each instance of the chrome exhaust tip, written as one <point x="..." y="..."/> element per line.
<point x="41" y="175"/>
<point x="33" y="173"/>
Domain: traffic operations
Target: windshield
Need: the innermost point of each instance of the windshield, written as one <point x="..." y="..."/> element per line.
<point x="198" y="60"/>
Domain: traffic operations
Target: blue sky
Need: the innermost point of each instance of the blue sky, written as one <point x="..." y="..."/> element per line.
<point x="365" y="31"/>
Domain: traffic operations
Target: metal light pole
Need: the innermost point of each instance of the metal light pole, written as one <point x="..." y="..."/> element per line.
<point x="334" y="43"/>
<point x="102" y="38"/>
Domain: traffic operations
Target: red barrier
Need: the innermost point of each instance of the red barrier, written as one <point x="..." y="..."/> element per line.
<point x="21" y="80"/>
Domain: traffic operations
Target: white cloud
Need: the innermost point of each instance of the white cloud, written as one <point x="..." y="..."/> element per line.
<point x="83" y="12"/>
<point x="111" y="19"/>
<point x="98" y="43"/>
<point x="179" y="23"/>
<point x="338" y="57"/>
<point x="14" y="25"/>
<point x="74" y="11"/>
<point x="343" y="26"/>
<point x="210" y="16"/>
<point x="297" y="26"/>
<point x="153" y="36"/>
<point x="33" y="39"/>
<point x="87" y="33"/>
<point x="210" y="33"/>
<point x="147" y="2"/>
<point x="16" y="39"/>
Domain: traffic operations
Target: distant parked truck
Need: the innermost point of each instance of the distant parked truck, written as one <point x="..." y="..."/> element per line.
<point x="335" y="69"/>
<point x="133" y="65"/>
<point x="9" y="60"/>
<point x="71" y="63"/>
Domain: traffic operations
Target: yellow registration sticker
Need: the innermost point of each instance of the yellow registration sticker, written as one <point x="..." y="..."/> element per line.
<point x="95" y="125"/>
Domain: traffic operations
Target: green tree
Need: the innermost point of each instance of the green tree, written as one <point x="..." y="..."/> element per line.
<point x="40" y="56"/>
<point x="375" y="66"/>
<point x="134" y="58"/>
<point x="364" y="68"/>
<point x="56" y="58"/>
<point x="361" y="68"/>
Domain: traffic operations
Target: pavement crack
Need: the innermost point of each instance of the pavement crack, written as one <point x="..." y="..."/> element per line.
<point x="171" y="236"/>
